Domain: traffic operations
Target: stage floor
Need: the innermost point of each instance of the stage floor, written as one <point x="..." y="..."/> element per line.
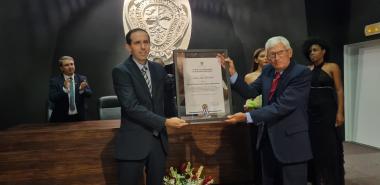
<point x="362" y="164"/>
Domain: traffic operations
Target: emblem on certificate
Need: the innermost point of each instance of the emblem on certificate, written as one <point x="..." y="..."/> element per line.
<point x="168" y="23"/>
<point x="203" y="89"/>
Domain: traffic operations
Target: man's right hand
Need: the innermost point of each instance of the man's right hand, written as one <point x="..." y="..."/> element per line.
<point x="235" y="118"/>
<point x="66" y="84"/>
<point x="175" y="122"/>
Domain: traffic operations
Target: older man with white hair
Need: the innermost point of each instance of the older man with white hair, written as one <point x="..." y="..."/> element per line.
<point x="283" y="139"/>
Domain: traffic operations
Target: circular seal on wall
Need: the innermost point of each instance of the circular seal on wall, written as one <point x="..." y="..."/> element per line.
<point x="168" y="23"/>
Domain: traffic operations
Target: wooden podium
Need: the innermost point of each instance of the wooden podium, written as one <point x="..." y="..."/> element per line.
<point x="82" y="152"/>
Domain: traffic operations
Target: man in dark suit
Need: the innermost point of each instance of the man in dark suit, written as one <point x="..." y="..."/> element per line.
<point x="283" y="139"/>
<point x="141" y="87"/>
<point x="67" y="93"/>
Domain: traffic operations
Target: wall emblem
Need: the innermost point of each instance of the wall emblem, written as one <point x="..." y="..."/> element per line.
<point x="168" y="23"/>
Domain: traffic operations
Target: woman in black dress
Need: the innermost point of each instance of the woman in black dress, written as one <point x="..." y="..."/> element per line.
<point x="326" y="114"/>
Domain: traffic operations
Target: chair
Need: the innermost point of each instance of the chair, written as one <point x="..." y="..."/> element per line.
<point x="109" y="108"/>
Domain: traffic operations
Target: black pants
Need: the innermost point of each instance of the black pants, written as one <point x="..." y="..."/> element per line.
<point x="277" y="173"/>
<point x="131" y="171"/>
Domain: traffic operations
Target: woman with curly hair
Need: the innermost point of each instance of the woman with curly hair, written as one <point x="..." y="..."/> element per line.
<point x="326" y="114"/>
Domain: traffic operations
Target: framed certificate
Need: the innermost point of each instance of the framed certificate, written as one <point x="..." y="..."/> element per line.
<point x="202" y="85"/>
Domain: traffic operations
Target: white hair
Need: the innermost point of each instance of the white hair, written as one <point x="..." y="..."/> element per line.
<point x="275" y="40"/>
<point x="64" y="58"/>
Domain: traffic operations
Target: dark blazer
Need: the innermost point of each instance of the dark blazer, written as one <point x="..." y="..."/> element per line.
<point x="60" y="99"/>
<point x="286" y="114"/>
<point x="142" y="116"/>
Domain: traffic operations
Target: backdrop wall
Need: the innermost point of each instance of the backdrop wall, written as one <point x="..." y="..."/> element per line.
<point x="34" y="33"/>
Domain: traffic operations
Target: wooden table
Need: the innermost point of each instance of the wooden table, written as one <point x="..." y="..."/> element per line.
<point x="82" y="152"/>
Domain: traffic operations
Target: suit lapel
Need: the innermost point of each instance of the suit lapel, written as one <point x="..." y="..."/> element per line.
<point x="267" y="83"/>
<point x="137" y="73"/>
<point x="284" y="79"/>
<point x="61" y="80"/>
<point x="77" y="81"/>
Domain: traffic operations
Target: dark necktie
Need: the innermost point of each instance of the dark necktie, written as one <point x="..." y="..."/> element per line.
<point x="274" y="84"/>
<point x="72" y="95"/>
<point x="144" y="71"/>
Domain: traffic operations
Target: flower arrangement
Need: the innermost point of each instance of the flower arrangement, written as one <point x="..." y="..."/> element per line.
<point x="186" y="176"/>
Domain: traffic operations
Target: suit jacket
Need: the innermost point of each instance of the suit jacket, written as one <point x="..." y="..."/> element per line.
<point x="285" y="116"/>
<point x="60" y="99"/>
<point x="142" y="115"/>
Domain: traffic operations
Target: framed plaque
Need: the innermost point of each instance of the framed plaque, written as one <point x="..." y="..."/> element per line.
<point x="202" y="85"/>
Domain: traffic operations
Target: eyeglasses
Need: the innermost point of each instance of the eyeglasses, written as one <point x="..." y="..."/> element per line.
<point x="280" y="53"/>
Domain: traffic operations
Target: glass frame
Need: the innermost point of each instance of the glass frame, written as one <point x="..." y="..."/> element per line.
<point x="218" y="110"/>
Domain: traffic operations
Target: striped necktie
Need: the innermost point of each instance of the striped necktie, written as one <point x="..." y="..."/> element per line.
<point x="72" y="95"/>
<point x="144" y="71"/>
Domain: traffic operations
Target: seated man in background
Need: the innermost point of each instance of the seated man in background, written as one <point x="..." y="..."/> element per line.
<point x="67" y="93"/>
